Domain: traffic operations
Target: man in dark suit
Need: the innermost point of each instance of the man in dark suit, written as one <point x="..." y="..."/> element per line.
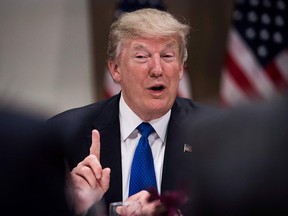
<point x="146" y="55"/>
<point x="240" y="161"/>
<point x="32" y="167"/>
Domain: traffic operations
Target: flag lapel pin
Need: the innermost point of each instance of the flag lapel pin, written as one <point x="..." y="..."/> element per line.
<point x="187" y="148"/>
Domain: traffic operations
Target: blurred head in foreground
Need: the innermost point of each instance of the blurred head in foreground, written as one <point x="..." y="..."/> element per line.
<point x="240" y="161"/>
<point x="32" y="167"/>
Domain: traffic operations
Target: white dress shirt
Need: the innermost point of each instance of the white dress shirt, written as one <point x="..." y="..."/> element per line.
<point x="130" y="136"/>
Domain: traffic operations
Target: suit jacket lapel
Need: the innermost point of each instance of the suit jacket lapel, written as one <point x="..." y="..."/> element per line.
<point x="109" y="127"/>
<point x="175" y="165"/>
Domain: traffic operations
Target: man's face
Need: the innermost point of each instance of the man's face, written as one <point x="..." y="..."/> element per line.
<point x="148" y="71"/>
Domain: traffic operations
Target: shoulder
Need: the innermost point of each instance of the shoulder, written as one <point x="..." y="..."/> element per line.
<point x="186" y="113"/>
<point x="81" y="119"/>
<point x="90" y="111"/>
<point x="191" y="107"/>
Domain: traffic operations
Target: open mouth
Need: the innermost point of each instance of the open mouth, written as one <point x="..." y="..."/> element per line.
<point x="157" y="88"/>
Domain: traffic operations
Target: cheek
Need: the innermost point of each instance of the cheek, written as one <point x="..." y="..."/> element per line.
<point x="176" y="73"/>
<point x="130" y="78"/>
<point x="179" y="70"/>
<point x="136" y="73"/>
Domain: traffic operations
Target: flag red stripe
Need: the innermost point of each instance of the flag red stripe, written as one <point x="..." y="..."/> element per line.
<point x="239" y="76"/>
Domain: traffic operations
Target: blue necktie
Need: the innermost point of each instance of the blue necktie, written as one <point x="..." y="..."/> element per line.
<point x="142" y="174"/>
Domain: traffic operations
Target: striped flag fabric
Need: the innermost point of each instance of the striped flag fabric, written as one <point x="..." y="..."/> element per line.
<point x="256" y="62"/>
<point x="110" y="87"/>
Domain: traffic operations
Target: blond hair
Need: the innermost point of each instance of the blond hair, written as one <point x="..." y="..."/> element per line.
<point x="146" y="22"/>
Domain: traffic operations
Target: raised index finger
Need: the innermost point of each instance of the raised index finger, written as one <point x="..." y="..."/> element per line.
<point x="95" y="145"/>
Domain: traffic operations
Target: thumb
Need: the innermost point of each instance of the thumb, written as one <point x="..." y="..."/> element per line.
<point x="95" y="145"/>
<point x="105" y="180"/>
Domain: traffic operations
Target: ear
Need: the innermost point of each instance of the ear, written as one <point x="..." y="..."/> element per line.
<point x="114" y="70"/>
<point x="181" y="71"/>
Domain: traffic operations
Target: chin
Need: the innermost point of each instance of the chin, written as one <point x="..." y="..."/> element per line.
<point x="158" y="106"/>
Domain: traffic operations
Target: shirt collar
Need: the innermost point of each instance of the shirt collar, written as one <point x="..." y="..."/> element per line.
<point x="129" y="121"/>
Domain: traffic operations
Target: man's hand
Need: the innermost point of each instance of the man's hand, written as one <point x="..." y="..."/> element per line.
<point x="89" y="180"/>
<point x="147" y="208"/>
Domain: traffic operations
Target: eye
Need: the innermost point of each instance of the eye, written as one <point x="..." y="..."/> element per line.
<point x="168" y="57"/>
<point x="141" y="57"/>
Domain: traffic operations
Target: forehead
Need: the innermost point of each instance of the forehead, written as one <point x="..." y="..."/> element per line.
<point x="152" y="43"/>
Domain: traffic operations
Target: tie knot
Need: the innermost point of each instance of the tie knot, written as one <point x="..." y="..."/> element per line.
<point x="145" y="129"/>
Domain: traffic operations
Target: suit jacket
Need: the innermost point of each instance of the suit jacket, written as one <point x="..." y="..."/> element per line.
<point x="76" y="126"/>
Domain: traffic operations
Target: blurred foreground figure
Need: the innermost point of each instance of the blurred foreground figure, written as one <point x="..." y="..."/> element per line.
<point x="32" y="168"/>
<point x="240" y="162"/>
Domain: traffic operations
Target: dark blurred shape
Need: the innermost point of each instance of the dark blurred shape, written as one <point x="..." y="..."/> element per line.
<point x="240" y="161"/>
<point x="32" y="167"/>
<point x="171" y="202"/>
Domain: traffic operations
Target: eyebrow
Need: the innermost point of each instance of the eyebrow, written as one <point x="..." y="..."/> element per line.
<point x="138" y="47"/>
<point x="170" y="44"/>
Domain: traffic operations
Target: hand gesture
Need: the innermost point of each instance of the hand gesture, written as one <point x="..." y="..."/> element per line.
<point x="89" y="180"/>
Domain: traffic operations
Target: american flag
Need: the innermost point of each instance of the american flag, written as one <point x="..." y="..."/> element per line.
<point x="256" y="64"/>
<point x="112" y="88"/>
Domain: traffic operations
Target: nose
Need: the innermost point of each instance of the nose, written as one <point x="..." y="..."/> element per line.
<point x="156" y="68"/>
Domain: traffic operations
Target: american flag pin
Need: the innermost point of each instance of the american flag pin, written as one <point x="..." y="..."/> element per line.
<point x="187" y="148"/>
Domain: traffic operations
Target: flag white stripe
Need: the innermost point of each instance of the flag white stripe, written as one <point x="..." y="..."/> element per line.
<point x="230" y="91"/>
